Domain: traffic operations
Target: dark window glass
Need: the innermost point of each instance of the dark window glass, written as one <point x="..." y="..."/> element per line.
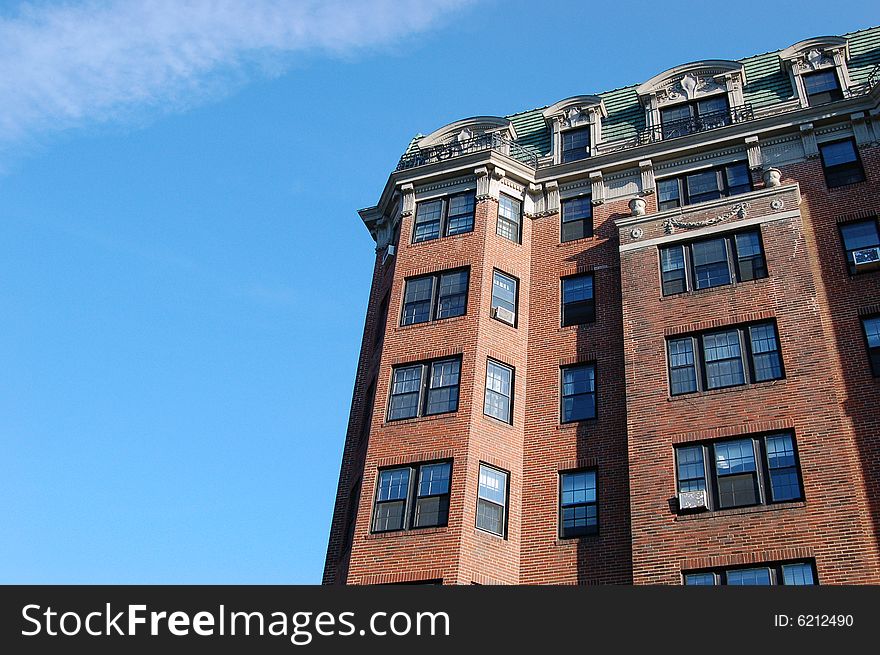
<point x="673" y="270"/>
<point x="699" y="579"/>
<point x="872" y="335"/>
<point x="724" y="358"/>
<point x="499" y="391"/>
<point x="492" y="500"/>
<point x="443" y="387"/>
<point x="415" y="496"/>
<point x="444" y="217"/>
<point x="841" y="164"/>
<point x="709" y="184"/>
<point x="682" y="366"/>
<point x="688" y="118"/>
<point x="391" y="495"/>
<point x="669" y="193"/>
<point x="736" y="472"/>
<point x="787" y="573"/>
<point x="429" y="388"/>
<point x="504" y="291"/>
<point x="577" y="218"/>
<point x="381" y="320"/>
<point x="691" y="469"/>
<point x="367" y="418"/>
<point x="742" y="577"/>
<point x="578" y="303"/>
<point x="710" y="263"/>
<point x="798" y="574"/>
<point x="858" y="235"/>
<point x="509" y="218"/>
<point x="750" y="264"/>
<point x="575" y="144"/>
<point x="578" y="514"/>
<point x="578" y="393"/>
<point x="821" y="87"/>
<point x="432" y="297"/>
<point x="432" y="496"/>
<point x="782" y="468"/>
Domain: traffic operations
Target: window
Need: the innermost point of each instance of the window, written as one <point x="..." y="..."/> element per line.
<point x="841" y="163"/>
<point x="578" y="514"/>
<point x="578" y="303"/>
<point x="577" y="218"/>
<point x="740" y="472"/>
<point x="381" y="320"/>
<point x="871" y="326"/>
<point x="424" y="389"/>
<point x="696" y="116"/>
<point x="499" y="391"/>
<point x="858" y="235"/>
<point x="415" y="496"/>
<point x="787" y="573"/>
<point x="504" y="297"/>
<point x="492" y="500"/>
<point x="444" y="217"/>
<point x="821" y="87"/>
<point x="704" y="185"/>
<point x="575" y="144"/>
<point x="509" y="218"/>
<point x="578" y="392"/>
<point x="712" y="262"/>
<point x="367" y="417"/>
<point x="432" y="297"/>
<point x="724" y="358"/>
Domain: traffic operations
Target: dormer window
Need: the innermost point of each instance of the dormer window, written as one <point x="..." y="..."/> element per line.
<point x="576" y="128"/>
<point x="693" y="98"/>
<point x="818" y="69"/>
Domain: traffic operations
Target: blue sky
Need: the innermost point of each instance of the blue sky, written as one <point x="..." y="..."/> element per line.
<point x="183" y="274"/>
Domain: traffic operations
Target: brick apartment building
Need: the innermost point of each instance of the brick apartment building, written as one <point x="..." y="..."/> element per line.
<point x="629" y="338"/>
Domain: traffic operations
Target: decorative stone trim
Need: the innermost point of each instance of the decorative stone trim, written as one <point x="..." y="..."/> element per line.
<point x="860" y="128"/>
<point x="574" y="112"/>
<point x="739" y="210"/>
<point x="753" y="151"/>
<point x="468" y="128"/>
<point x="597" y="188"/>
<point x="409" y="199"/>
<point x="820" y="53"/>
<point x="808" y="137"/>
<point x="646" y="168"/>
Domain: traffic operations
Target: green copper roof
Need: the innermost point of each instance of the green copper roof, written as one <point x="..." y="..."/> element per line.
<point x="768" y="84"/>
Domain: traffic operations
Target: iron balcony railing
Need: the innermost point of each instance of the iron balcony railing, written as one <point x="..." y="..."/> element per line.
<point x="489" y="141"/>
<point x="694" y="124"/>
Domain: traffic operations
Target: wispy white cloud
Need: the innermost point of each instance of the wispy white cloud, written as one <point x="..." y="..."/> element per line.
<point x="75" y="63"/>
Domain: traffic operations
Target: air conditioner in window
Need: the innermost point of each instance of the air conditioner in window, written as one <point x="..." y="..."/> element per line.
<point x="504" y="314"/>
<point x="867" y="258"/>
<point x="692" y="500"/>
<point x="389" y="252"/>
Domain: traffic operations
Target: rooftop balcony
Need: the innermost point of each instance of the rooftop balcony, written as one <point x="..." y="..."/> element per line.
<point x="457" y="148"/>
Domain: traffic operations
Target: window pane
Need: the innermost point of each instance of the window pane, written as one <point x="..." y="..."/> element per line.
<point x="577" y="218"/>
<point x="838" y="153"/>
<point x="749" y="577"/>
<point x="503" y="291"/>
<point x="434" y="479"/>
<point x="490" y="517"/>
<point x="389" y="516"/>
<point x="703" y="186"/>
<point x="724" y="367"/>
<point x="668" y="193"/>
<point x="735" y="469"/>
<point x="798" y="574"/>
<point x="578" y="487"/>
<point x="432" y="511"/>
<point x="428" y="220"/>
<point x="443" y="387"/>
<point x="732" y="457"/>
<point x="872" y="331"/>
<point x="738" y="180"/>
<point x="452" y="300"/>
<point x="498" y="392"/>
<point x="784" y="482"/>
<point x="710" y="263"/>
<point x="716" y="104"/>
<point x="393" y="484"/>
<point x="578" y="503"/>
<point x="862" y="234"/>
<point x="461" y="214"/>
<point x="699" y="579"/>
<point x="682" y="372"/>
<point x="405" y="386"/>
<point x="575" y="144"/>
<point x="765" y="352"/>
<point x="673" y="270"/>
<point x="691" y="471"/>
<point x="578" y="393"/>
<point x="578" y="304"/>
<point x="417" y="300"/>
<point x="750" y="257"/>
<point x="509" y="217"/>
<point x="493" y="485"/>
